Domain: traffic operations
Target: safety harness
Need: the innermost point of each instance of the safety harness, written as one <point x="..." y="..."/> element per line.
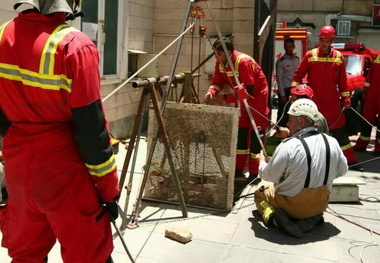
<point x="308" y="156"/>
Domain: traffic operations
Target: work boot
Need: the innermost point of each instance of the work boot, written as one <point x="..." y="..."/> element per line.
<point x="284" y="223"/>
<point x="239" y="173"/>
<point x="308" y="224"/>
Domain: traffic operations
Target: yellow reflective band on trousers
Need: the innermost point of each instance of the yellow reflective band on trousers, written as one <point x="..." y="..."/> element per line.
<point x="345" y="147"/>
<point x="48" y="53"/>
<point x="364" y="138"/>
<point x="103" y="168"/>
<point x="45" y="78"/>
<point x="314" y="57"/>
<point x="245" y="151"/>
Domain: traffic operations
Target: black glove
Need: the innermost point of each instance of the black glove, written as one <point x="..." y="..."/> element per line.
<point x="111" y="208"/>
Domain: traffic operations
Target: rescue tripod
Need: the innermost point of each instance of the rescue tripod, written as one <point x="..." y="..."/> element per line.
<point x="162" y="131"/>
<point x="137" y="130"/>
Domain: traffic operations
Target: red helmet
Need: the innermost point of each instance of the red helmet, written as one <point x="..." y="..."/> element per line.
<point x="327" y="32"/>
<point x="302" y="89"/>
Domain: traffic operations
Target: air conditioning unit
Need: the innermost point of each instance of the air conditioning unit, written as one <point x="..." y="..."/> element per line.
<point x="344" y="28"/>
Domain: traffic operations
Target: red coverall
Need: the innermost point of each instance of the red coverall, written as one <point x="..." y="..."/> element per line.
<point x="58" y="158"/>
<point x="326" y="75"/>
<point x="371" y="111"/>
<point x="251" y="75"/>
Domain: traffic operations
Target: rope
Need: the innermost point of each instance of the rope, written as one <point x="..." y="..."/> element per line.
<point x="337" y="119"/>
<point x="361" y="116"/>
<point x="361" y="244"/>
<point x="147" y="64"/>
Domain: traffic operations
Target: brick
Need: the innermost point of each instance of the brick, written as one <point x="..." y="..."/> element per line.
<point x="178" y="234"/>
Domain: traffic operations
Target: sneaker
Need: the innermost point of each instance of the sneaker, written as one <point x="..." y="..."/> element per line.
<point x="308" y="224"/>
<point x="284" y="223"/>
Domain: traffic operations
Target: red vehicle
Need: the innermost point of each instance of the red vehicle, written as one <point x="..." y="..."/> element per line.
<point x="358" y="60"/>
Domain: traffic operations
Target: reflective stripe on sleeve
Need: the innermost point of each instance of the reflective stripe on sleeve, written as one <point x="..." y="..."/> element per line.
<point x="215" y="87"/>
<point x="103" y="168"/>
<point x="345" y="93"/>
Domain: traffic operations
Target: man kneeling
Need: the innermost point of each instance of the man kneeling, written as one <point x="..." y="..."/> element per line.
<point x="302" y="171"/>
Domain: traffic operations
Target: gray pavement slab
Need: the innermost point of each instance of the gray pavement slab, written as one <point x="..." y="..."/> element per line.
<point x="241" y="236"/>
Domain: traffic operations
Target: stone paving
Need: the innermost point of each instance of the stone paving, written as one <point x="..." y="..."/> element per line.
<point x="240" y="236"/>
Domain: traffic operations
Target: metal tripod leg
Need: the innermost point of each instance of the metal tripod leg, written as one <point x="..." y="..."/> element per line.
<point x="136" y="132"/>
<point x="165" y="141"/>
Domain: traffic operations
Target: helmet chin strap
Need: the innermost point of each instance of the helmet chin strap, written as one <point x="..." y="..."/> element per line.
<point x="75" y="14"/>
<point x="299" y="127"/>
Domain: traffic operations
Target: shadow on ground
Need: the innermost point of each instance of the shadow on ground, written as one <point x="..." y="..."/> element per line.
<point x="273" y="234"/>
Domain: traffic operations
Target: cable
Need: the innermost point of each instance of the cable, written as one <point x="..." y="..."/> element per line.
<point x="352" y="222"/>
<point x="364" y="245"/>
<point x="373" y="126"/>
<point x="337" y="119"/>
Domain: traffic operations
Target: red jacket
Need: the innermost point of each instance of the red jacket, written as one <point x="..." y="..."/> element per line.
<point x="327" y="77"/>
<point x="51" y="88"/>
<point x="249" y="74"/>
<point x="372" y="89"/>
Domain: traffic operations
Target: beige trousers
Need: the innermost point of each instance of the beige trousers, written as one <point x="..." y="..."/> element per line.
<point x="308" y="203"/>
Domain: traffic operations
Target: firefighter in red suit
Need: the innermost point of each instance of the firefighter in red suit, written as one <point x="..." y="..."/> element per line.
<point x="326" y="75"/>
<point x="371" y="111"/>
<point x="253" y="79"/>
<point x="61" y="174"/>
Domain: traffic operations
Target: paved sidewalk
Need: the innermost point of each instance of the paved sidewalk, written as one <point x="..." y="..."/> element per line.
<point x="241" y="237"/>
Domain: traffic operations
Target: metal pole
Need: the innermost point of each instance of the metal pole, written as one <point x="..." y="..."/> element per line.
<point x="122" y="240"/>
<point x="163" y="105"/>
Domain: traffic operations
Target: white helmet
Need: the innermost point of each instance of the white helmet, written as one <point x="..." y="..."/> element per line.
<point x="46" y="7"/>
<point x="304" y="107"/>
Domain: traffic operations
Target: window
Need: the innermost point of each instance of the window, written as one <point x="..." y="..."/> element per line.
<point x="343" y="28"/>
<point x="353" y="64"/>
<point x="102" y="22"/>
